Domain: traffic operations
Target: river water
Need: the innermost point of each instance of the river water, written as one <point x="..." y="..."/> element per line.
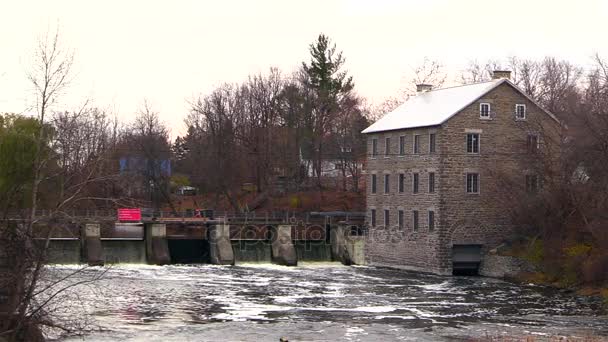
<point x="318" y="302"/>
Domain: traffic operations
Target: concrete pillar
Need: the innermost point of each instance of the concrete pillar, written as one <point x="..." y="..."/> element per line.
<point x="93" y="252"/>
<point x="283" y="250"/>
<point x="220" y="248"/>
<point x="157" y="247"/>
<point x="338" y="244"/>
<point x="355" y="247"/>
<point x="348" y="249"/>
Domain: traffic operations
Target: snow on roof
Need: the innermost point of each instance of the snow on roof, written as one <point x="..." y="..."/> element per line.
<point x="433" y="107"/>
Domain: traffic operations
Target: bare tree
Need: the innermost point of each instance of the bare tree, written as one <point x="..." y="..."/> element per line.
<point x="49" y="77"/>
<point x="526" y="74"/>
<point x="212" y="120"/>
<point x="476" y="72"/>
<point x="68" y="154"/>
<point x="428" y="72"/>
<point x="145" y="143"/>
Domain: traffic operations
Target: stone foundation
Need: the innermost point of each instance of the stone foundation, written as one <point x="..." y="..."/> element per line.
<point x="499" y="266"/>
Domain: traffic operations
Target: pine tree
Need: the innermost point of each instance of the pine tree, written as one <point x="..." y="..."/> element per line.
<point x="330" y="86"/>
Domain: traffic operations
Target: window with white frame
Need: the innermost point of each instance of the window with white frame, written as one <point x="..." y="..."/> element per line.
<point x="484" y="110"/>
<point x="387" y="216"/>
<point x="472" y="183"/>
<point x="400" y="219"/>
<point x="402" y="145"/>
<point x="520" y="111"/>
<point x="416" y="143"/>
<point x="415" y="222"/>
<point x="387" y="186"/>
<point x="473" y="143"/>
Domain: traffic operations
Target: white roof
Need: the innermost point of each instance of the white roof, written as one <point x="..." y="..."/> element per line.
<point x="433" y="107"/>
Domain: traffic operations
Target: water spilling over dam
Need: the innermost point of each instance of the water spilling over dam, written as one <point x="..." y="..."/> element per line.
<point x="319" y="302"/>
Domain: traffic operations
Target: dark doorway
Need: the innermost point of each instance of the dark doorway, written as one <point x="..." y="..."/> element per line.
<point x="466" y="259"/>
<point x="189" y="251"/>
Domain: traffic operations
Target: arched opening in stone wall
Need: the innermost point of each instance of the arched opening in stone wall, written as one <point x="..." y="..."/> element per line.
<point x="466" y="259"/>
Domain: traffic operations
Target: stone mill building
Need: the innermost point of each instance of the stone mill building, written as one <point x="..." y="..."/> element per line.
<point x="434" y="168"/>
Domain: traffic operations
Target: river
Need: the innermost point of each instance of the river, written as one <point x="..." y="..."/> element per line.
<point x="317" y="302"/>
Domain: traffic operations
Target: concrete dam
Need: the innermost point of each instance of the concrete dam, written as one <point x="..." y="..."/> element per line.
<point x="191" y="241"/>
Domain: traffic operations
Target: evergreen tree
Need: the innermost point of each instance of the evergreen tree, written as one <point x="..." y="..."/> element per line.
<point x="330" y="86"/>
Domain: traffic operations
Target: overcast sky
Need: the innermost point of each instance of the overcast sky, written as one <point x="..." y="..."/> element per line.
<point x="172" y="51"/>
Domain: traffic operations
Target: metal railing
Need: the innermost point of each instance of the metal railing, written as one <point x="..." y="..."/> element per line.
<point x="253" y="216"/>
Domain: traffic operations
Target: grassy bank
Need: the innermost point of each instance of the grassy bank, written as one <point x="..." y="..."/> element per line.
<point x="576" y="267"/>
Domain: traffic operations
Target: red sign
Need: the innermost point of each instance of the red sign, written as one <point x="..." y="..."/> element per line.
<point x="126" y="214"/>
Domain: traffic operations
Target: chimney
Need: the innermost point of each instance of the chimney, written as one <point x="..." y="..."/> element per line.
<point x="501" y="74"/>
<point x="423" y="88"/>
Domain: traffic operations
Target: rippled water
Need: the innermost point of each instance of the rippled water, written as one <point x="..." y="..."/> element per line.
<point x="321" y="302"/>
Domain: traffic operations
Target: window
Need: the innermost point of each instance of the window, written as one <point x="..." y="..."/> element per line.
<point x="432" y="139"/>
<point x="401" y="183"/>
<point x="373" y="217"/>
<point x="387" y="147"/>
<point x="473" y="143"/>
<point x="533" y="143"/>
<point x="431" y="220"/>
<point x="374" y="147"/>
<point x="532" y="184"/>
<point x="401" y="145"/>
<point x="387" y="186"/>
<point x="431" y="182"/>
<point x="415" y="183"/>
<point x="472" y="183"/>
<point x="415" y="219"/>
<point x="374" y="183"/>
<point x="416" y="143"/>
<point x="484" y="110"/>
<point x="400" y="219"/>
<point x="520" y="111"/>
<point x="386" y="218"/>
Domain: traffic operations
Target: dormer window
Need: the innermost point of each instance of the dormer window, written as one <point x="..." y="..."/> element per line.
<point x="484" y="110"/>
<point x="520" y="111"/>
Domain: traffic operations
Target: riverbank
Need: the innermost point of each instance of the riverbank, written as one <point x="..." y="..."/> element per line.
<point x="524" y="263"/>
<point x="540" y="278"/>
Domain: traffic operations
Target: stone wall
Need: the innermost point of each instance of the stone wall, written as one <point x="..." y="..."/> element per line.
<point x="460" y="218"/>
<point x="499" y="266"/>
